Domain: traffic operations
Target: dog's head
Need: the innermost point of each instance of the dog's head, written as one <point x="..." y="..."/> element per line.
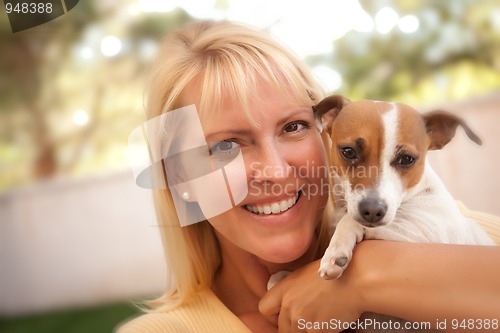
<point x="378" y="151"/>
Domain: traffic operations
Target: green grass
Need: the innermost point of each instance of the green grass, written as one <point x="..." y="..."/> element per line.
<point x="90" y="320"/>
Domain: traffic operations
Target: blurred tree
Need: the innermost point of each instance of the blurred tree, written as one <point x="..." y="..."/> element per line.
<point x="44" y="79"/>
<point x="26" y="59"/>
<point x="427" y="65"/>
<point x="52" y="70"/>
<point x="156" y="25"/>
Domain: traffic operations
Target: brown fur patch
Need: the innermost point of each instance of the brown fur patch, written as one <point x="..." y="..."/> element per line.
<point x="359" y="126"/>
<point x="413" y="139"/>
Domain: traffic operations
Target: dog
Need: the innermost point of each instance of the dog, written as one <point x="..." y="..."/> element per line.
<point x="384" y="187"/>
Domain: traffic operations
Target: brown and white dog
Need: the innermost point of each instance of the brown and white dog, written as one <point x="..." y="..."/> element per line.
<point x="384" y="186"/>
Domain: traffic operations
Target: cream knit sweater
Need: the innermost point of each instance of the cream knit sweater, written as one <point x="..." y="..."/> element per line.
<point x="203" y="314"/>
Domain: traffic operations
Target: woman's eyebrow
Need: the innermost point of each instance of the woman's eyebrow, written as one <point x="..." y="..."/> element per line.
<point x="226" y="133"/>
<point x="304" y="111"/>
<point x="230" y="132"/>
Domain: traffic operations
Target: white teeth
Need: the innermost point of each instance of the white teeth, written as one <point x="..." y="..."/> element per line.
<point x="274" y="208"/>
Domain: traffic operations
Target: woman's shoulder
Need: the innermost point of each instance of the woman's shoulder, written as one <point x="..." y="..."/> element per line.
<point x="490" y="223"/>
<point x="153" y="323"/>
<point x="204" y="313"/>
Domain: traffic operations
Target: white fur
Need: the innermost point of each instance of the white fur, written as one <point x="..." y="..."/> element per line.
<point x="425" y="213"/>
<point x="390" y="188"/>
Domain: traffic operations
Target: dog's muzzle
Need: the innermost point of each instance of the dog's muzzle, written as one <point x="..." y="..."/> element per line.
<point x="372" y="211"/>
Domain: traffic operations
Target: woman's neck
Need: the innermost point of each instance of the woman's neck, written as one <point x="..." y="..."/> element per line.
<point x="242" y="277"/>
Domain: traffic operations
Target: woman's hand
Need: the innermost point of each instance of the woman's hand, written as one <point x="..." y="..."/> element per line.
<point x="431" y="283"/>
<point x="303" y="301"/>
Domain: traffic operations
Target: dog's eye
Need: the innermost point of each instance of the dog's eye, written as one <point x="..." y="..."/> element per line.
<point x="348" y="153"/>
<point x="405" y="161"/>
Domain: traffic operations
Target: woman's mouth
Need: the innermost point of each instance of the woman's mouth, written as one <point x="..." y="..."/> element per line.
<point x="273" y="208"/>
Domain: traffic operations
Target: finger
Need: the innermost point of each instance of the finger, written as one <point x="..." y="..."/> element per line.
<point x="284" y="323"/>
<point x="270" y="304"/>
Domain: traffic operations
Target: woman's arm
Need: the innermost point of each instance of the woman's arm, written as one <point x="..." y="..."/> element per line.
<point x="418" y="282"/>
<point x="433" y="282"/>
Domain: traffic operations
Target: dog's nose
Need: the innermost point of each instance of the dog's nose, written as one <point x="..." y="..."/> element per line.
<point x="372" y="210"/>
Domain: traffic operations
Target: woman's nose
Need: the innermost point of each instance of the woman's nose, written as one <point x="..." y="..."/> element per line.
<point x="270" y="163"/>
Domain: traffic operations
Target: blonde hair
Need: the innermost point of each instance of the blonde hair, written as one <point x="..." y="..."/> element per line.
<point x="228" y="58"/>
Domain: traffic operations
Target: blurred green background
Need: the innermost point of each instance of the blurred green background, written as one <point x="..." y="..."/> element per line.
<point x="97" y="319"/>
<point x="72" y="90"/>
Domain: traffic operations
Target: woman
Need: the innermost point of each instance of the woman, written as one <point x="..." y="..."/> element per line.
<point x="253" y="96"/>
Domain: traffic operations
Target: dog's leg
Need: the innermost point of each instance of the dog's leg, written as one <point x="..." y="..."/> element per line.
<point x="338" y="254"/>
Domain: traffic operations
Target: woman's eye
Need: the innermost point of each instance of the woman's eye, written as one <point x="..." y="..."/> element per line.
<point x="348" y="153"/>
<point x="224" y="148"/>
<point x="296" y="126"/>
<point x="225" y="145"/>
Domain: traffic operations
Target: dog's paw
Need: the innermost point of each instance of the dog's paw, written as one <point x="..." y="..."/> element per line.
<point x="334" y="262"/>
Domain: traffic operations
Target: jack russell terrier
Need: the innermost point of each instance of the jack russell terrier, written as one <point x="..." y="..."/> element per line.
<point x="388" y="190"/>
<point x="385" y="188"/>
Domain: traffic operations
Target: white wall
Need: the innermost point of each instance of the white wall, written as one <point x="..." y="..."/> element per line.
<point x="67" y="243"/>
<point x="471" y="172"/>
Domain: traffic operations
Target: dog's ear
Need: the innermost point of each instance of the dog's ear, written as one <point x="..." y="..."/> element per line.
<point x="441" y="127"/>
<point x="327" y="110"/>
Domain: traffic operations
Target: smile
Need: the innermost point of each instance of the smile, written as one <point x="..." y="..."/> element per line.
<point x="273" y="208"/>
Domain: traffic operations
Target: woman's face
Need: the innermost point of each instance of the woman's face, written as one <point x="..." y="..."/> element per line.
<point x="285" y="172"/>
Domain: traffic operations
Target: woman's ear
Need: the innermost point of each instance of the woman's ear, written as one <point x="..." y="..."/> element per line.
<point x="441" y="128"/>
<point x="327" y="110"/>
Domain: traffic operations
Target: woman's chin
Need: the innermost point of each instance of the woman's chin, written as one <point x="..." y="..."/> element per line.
<point x="286" y="251"/>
